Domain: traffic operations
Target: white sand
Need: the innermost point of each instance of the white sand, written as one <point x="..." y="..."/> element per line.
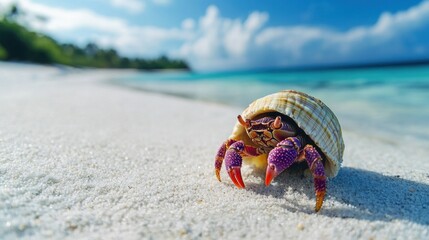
<point x="80" y="158"/>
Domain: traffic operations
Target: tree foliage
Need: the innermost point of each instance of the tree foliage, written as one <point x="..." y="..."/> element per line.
<point x="17" y="43"/>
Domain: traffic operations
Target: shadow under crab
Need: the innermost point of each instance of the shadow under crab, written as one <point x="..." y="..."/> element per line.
<point x="370" y="195"/>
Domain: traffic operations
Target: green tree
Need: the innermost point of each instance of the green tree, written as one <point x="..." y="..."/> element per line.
<point x="17" y="43"/>
<point x="3" y="53"/>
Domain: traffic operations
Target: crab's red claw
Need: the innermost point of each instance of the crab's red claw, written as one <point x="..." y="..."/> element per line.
<point x="270" y="174"/>
<point x="235" y="175"/>
<point x="281" y="158"/>
<point x="233" y="162"/>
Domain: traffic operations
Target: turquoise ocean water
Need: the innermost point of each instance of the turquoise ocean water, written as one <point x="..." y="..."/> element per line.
<point x="386" y="102"/>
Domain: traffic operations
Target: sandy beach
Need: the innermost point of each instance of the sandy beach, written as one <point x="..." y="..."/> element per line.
<point x="81" y="158"/>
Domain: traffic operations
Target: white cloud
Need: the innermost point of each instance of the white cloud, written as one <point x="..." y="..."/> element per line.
<point x="234" y="43"/>
<point x="255" y="20"/>
<point x="58" y="19"/>
<point x="388" y="26"/>
<point x="133" y="6"/>
<point x="221" y="42"/>
<point x="210" y="19"/>
<point x="237" y="38"/>
<point x="136" y="6"/>
<point x="289" y="39"/>
<point x="6" y="2"/>
<point x="386" y="37"/>
<point x="188" y="24"/>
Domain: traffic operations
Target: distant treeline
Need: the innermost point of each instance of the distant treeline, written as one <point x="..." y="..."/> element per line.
<point x="17" y="43"/>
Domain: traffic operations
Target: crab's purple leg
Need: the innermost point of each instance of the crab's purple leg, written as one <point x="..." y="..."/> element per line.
<point x="233" y="162"/>
<point x="314" y="161"/>
<point x="220" y="155"/>
<point x="282" y="157"/>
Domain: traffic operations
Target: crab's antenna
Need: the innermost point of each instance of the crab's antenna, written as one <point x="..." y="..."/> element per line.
<point x="243" y="122"/>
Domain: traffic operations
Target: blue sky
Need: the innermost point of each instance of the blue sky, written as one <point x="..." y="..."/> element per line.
<point x="241" y="34"/>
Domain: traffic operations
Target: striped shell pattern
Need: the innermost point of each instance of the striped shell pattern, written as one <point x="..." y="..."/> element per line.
<point x="310" y="114"/>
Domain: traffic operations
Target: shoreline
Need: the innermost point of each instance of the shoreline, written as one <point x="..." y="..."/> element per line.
<point x="392" y="120"/>
<point x="80" y="157"/>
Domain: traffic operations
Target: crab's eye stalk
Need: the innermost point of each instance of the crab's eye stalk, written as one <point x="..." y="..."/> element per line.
<point x="277" y="124"/>
<point x="244" y="122"/>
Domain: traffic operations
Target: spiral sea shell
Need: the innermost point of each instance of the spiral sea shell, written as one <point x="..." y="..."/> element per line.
<point x="317" y="121"/>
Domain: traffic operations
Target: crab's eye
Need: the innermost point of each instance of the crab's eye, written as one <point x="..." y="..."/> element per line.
<point x="277" y="124"/>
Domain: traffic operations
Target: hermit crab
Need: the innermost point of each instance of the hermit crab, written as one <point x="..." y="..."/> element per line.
<point x="280" y="130"/>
